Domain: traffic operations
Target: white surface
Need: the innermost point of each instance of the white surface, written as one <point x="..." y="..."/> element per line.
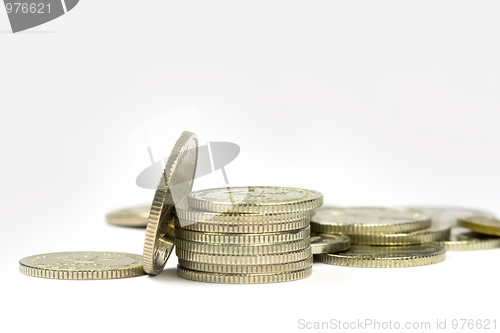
<point x="371" y="103"/>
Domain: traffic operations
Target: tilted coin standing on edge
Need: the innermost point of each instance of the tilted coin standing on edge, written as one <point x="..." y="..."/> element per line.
<point x="386" y="256"/>
<point x="129" y="217"/>
<point x="368" y="220"/>
<point x="255" y="199"/>
<point x="329" y="243"/>
<point x="175" y="184"/>
<point x="82" y="265"/>
<point x="481" y="224"/>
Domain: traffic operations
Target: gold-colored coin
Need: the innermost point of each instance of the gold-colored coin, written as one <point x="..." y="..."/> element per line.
<point x="243" y="278"/>
<point x="255" y="199"/>
<point x="386" y="256"/>
<point x="230" y="259"/>
<point x="367" y="220"/>
<point x="481" y="224"/>
<point x="82" y="265"/>
<point x="435" y="233"/>
<point x="247" y="269"/>
<point x="175" y="184"/>
<point x="329" y="243"/>
<point x="462" y="239"/>
<point x="130" y="217"/>
<point x="240" y="249"/>
<point x="249" y="239"/>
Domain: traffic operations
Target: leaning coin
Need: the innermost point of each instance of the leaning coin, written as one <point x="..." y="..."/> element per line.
<point x="386" y="256"/>
<point x="462" y="239"/>
<point x="247" y="269"/>
<point x="368" y="220"/>
<point x="243" y="278"/>
<point x="175" y="183"/>
<point x="130" y="217"/>
<point x="481" y="224"/>
<point x="329" y="243"/>
<point x="435" y="233"/>
<point x="82" y="265"/>
<point x="255" y="199"/>
<point x="249" y="239"/>
<point x="240" y="249"/>
<point x="450" y="214"/>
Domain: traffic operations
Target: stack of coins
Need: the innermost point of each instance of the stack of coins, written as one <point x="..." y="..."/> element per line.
<point x="246" y="234"/>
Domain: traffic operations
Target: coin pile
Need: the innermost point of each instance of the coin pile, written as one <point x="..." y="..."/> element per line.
<point x="246" y="234"/>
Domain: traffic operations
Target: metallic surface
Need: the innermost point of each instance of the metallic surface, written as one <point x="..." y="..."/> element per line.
<point x="258" y="226"/>
<point x="329" y="243"/>
<point x="386" y="256"/>
<point x="255" y="199"/>
<point x="462" y="239"/>
<point x="130" y="217"/>
<point x="435" y="233"/>
<point x="175" y="184"/>
<point x="367" y="220"/>
<point x="450" y="214"/>
<point x="82" y="265"/>
<point x="481" y="224"/>
<point x="243" y="278"/>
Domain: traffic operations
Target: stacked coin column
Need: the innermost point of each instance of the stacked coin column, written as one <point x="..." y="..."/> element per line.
<point x="236" y="247"/>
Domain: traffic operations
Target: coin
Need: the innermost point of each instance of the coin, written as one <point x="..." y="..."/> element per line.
<point x="462" y="239"/>
<point x="386" y="256"/>
<point x="82" y="265"/>
<point x="175" y="183"/>
<point x="249" y="239"/>
<point x="243" y="278"/>
<point x="367" y="220"/>
<point x="229" y="259"/>
<point x="481" y="224"/>
<point x="255" y="199"/>
<point x="450" y="214"/>
<point x="246" y="269"/>
<point x="329" y="243"/>
<point x="436" y="232"/>
<point x="239" y="249"/>
<point x="130" y="217"/>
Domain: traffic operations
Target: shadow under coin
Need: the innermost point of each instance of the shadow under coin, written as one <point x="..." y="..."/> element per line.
<point x="168" y="275"/>
<point x="7" y="32"/>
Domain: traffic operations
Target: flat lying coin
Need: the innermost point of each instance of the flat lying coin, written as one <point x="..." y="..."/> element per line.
<point x="329" y="243"/>
<point x="82" y="265"/>
<point x="130" y="217"/>
<point x="462" y="239"/>
<point x="247" y="269"/>
<point x="175" y="184"/>
<point x="255" y="199"/>
<point x="368" y="220"/>
<point x="249" y="239"/>
<point x="246" y="249"/>
<point x="258" y="226"/>
<point x="386" y="256"/>
<point x="435" y="233"/>
<point x="243" y="278"/>
<point x="450" y="215"/>
<point x="481" y="224"/>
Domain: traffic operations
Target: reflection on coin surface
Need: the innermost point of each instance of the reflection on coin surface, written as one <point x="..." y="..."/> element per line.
<point x="130" y="217"/>
<point x="462" y="239"/>
<point x="450" y="214"/>
<point x="386" y="256"/>
<point x="367" y="220"/>
<point x="175" y="184"/>
<point x="255" y="199"/>
<point x="82" y="265"/>
<point x="481" y="224"/>
<point x="329" y="243"/>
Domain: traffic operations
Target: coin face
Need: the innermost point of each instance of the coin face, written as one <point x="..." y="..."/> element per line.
<point x="130" y="217"/>
<point x="449" y="214"/>
<point x="329" y="243"/>
<point x="481" y="224"/>
<point x="175" y="184"/>
<point x="386" y="256"/>
<point x="255" y="199"/>
<point x="82" y="265"/>
<point x="367" y="220"/>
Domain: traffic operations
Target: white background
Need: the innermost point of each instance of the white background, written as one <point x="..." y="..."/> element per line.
<point x="371" y="103"/>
